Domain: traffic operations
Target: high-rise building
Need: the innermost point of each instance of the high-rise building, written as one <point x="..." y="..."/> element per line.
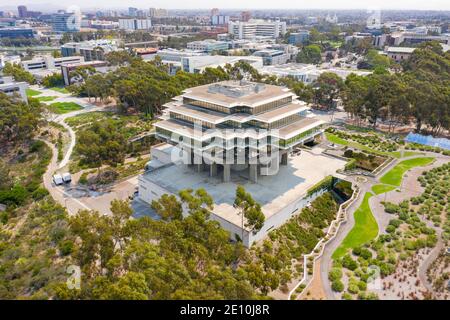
<point x="132" y="12"/>
<point x="246" y="15"/>
<point x="219" y="20"/>
<point x="22" y="11"/>
<point x="66" y="22"/>
<point x="214" y="12"/>
<point x="154" y="12"/>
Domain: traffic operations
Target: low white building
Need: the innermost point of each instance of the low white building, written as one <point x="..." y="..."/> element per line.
<point x="48" y="62"/>
<point x="12" y="88"/>
<point x="8" y="59"/>
<point x="197" y="64"/>
<point x="307" y="73"/>
<point x="257" y="28"/>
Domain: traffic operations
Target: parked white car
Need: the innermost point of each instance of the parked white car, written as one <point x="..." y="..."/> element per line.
<point x="58" y="180"/>
<point x="67" y="178"/>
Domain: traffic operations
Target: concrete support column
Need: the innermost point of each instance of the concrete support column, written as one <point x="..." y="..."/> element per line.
<point x="226" y="173"/>
<point x="192" y="157"/>
<point x="213" y="169"/>
<point x="284" y="158"/>
<point x="253" y="172"/>
<point x="199" y="167"/>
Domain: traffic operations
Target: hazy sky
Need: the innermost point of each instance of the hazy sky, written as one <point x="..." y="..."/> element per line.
<point x="252" y="4"/>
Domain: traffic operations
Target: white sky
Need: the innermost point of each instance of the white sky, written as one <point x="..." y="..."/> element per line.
<point x="232" y="4"/>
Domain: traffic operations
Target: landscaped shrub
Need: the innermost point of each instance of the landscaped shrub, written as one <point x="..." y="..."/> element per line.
<point x="365" y="254"/>
<point x="335" y="274"/>
<point x="337" y="286"/>
<point x="349" y="263"/>
<point x="391" y="207"/>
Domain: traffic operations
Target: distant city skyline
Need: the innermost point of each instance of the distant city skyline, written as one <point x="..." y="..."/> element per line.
<point x="237" y="4"/>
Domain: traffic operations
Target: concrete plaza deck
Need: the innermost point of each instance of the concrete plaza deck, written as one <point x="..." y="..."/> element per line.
<point x="273" y="192"/>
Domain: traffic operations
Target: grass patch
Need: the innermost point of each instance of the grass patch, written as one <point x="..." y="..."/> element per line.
<point x="64" y="107"/>
<point x="364" y="230"/>
<point x="337" y="140"/>
<point x="46" y="98"/>
<point x="32" y="93"/>
<point x="59" y="89"/>
<point x="395" y="175"/>
<point x="382" y="188"/>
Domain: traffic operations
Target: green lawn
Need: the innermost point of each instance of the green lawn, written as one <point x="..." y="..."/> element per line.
<point x="64" y="107"/>
<point x="382" y="188"/>
<point x="46" y="98"/>
<point x="364" y="230"/>
<point x="32" y="93"/>
<point x="59" y="89"/>
<point x="396" y="154"/>
<point x="395" y="175"/>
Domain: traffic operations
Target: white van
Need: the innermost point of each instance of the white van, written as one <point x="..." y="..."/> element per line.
<point x="58" y="180"/>
<point x="67" y="178"/>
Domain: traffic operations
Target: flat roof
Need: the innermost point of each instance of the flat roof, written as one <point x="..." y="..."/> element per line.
<point x="400" y="49"/>
<point x="269" y="92"/>
<point x="274" y="192"/>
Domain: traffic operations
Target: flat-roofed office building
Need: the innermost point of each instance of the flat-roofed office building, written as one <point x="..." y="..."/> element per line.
<point x="257" y="28"/>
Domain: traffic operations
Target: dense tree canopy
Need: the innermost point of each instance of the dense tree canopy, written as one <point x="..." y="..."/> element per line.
<point x="103" y="142"/>
<point x="420" y="93"/>
<point x="310" y="54"/>
<point x="18" y="120"/>
<point x="18" y="73"/>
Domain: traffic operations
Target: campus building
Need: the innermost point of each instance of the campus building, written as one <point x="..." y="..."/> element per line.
<point x="48" y="62"/>
<point x="272" y="57"/>
<point x="208" y="46"/>
<point x="231" y="133"/>
<point x="257" y="28"/>
<point x="307" y="73"/>
<point x="135" y="24"/>
<point x="300" y="37"/>
<point x="235" y="105"/>
<point x="91" y="50"/>
<point x="398" y="54"/>
<point x="16" y="32"/>
<point x="12" y="88"/>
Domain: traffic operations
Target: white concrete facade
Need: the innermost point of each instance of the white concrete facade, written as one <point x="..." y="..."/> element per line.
<point x="256" y="28"/>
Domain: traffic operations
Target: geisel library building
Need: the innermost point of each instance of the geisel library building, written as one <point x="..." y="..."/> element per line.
<point x="231" y="133"/>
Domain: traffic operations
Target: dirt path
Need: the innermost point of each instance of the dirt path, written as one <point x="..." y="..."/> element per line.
<point x="315" y="290"/>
